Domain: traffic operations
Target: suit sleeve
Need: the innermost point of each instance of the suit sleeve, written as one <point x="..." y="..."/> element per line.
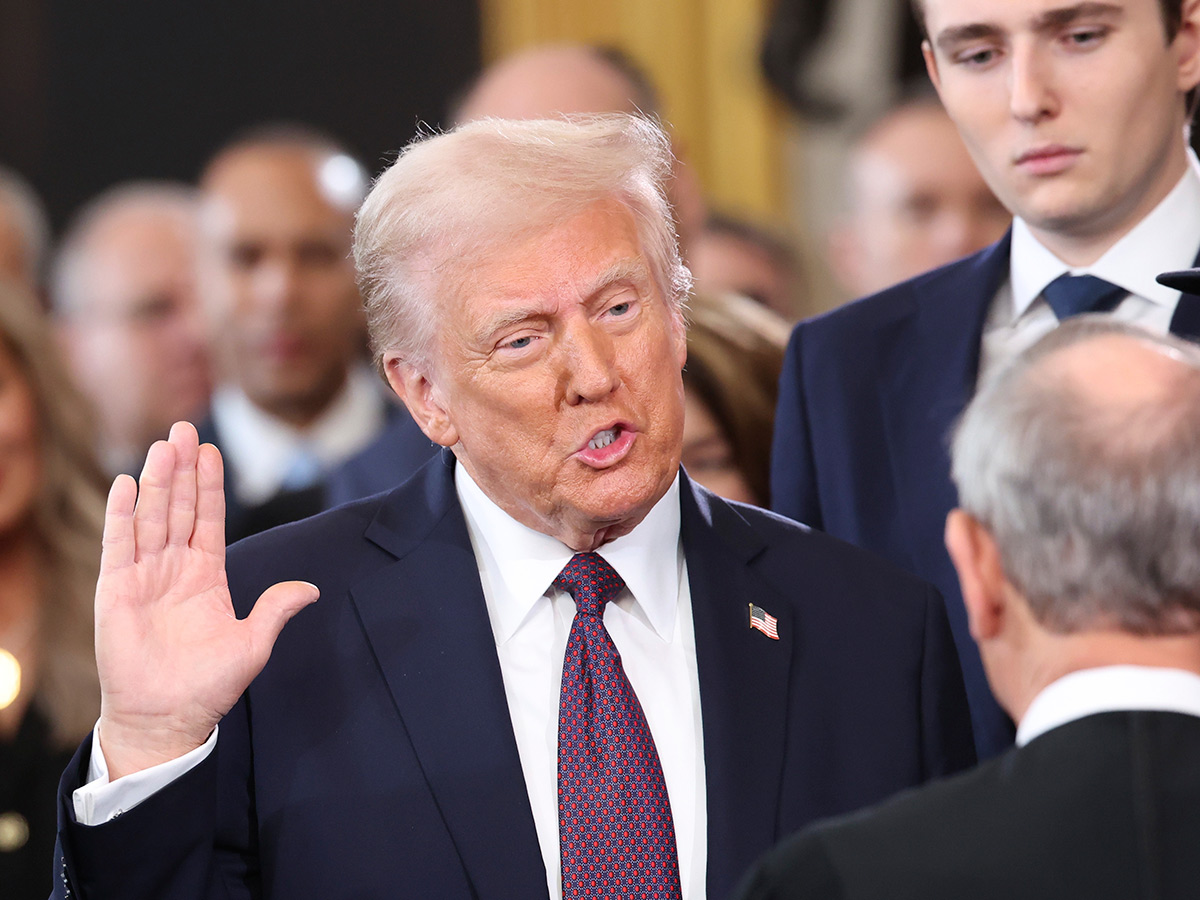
<point x="793" y="474"/>
<point x="172" y="845"/>
<point x="947" y="737"/>
<point x="798" y="869"/>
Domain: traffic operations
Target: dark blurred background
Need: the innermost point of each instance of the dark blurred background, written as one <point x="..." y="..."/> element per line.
<point x="94" y="93"/>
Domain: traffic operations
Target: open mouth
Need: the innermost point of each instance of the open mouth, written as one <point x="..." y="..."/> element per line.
<point x="608" y="447"/>
<point x="604" y="438"/>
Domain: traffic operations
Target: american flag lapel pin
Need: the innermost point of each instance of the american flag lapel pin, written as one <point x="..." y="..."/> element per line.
<point x="764" y="622"/>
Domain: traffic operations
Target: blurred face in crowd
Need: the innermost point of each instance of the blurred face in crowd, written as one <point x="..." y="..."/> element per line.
<point x="277" y="276"/>
<point x="722" y="261"/>
<point x="708" y="455"/>
<point x="136" y="340"/>
<point x="20" y="452"/>
<point x="556" y="378"/>
<point x="1074" y="112"/>
<point x="916" y="202"/>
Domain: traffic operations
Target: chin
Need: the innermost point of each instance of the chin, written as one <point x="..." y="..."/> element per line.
<point x="623" y="499"/>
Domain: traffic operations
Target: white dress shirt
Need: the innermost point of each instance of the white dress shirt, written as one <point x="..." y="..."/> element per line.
<point x="1109" y="689"/>
<point x="1167" y="239"/>
<point x="650" y="623"/>
<point x="260" y="448"/>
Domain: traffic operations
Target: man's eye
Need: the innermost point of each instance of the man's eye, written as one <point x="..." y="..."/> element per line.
<point x="520" y="343"/>
<point x="976" y="58"/>
<point x="619" y="309"/>
<point x="1086" y="37"/>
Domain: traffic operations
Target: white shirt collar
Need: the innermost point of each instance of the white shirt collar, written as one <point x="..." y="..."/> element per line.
<point x="1168" y="238"/>
<point x="260" y="447"/>
<point x="526" y="562"/>
<point x="1108" y="689"/>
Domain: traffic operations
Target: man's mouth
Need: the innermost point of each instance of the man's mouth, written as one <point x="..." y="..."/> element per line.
<point x="1050" y="159"/>
<point x="608" y="447"/>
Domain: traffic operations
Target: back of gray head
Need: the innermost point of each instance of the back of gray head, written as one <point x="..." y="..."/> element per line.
<point x="1094" y="506"/>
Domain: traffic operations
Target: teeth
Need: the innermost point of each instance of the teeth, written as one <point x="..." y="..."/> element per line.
<point x="603" y="439"/>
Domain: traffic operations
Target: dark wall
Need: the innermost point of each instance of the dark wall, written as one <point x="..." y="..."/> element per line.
<point x="92" y="93"/>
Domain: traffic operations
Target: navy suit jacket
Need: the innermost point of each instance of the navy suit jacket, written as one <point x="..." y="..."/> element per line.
<point x="374" y="756"/>
<point x="868" y="396"/>
<point x="391" y="458"/>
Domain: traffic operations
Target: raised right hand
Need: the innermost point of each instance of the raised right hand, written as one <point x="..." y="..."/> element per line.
<point x="172" y="655"/>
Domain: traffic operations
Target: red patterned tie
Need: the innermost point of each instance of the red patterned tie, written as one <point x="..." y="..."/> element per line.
<point x="617" y="838"/>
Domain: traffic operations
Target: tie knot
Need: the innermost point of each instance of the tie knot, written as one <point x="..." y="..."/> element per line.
<point x="1070" y="295"/>
<point x="591" y="581"/>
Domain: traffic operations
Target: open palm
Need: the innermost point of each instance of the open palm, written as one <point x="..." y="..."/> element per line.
<point x="172" y="655"/>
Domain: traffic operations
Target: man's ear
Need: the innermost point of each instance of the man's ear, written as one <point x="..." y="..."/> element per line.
<point x="980" y="574"/>
<point x="931" y="65"/>
<point x="1187" y="44"/>
<point x="422" y="399"/>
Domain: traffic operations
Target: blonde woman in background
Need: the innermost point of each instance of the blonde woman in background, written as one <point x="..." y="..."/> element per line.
<point x="51" y="517"/>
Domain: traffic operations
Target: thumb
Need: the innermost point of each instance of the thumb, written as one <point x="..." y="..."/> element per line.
<point x="274" y="608"/>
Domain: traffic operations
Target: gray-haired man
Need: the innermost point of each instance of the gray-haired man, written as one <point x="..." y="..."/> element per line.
<point x="1076" y="543"/>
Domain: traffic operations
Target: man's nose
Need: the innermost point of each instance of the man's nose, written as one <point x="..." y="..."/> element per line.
<point x="276" y="283"/>
<point x="1031" y="90"/>
<point x="590" y="366"/>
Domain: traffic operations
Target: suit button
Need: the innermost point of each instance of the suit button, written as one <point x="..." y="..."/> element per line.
<point x="14" y="832"/>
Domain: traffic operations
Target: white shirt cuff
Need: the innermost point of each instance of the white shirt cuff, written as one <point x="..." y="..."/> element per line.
<point x="101" y="800"/>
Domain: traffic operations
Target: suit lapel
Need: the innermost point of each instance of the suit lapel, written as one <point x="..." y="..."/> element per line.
<point x="743" y="685"/>
<point x="936" y="358"/>
<point x="428" y="626"/>
<point x="1186" y="321"/>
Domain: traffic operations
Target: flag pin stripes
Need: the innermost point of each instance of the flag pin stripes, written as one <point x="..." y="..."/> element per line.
<point x="764" y="622"/>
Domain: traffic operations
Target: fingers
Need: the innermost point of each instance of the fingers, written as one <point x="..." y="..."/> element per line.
<point x="154" y="497"/>
<point x="118" y="543"/>
<point x="181" y="511"/>
<point x="274" y="608"/>
<point x="209" y="531"/>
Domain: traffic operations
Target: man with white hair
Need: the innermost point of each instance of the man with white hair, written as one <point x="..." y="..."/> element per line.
<point x="1078" y="471"/>
<point x="540" y="82"/>
<point x="548" y="665"/>
<point x="123" y="292"/>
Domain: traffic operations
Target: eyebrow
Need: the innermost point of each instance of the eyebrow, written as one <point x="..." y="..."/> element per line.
<point x="631" y="270"/>
<point x="1050" y="20"/>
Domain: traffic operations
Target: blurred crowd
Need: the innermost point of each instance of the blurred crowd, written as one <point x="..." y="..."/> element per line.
<point x="232" y="303"/>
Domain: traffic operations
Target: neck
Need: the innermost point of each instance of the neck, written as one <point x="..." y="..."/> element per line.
<point x="1061" y="655"/>
<point x="1081" y="243"/>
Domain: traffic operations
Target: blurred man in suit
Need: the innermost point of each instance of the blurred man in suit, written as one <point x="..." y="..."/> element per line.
<point x="913" y="199"/>
<point x="547" y="622"/>
<point x="1078" y="471"/>
<point x="1075" y="114"/>
<point x="294" y="397"/>
<point x="123" y="292"/>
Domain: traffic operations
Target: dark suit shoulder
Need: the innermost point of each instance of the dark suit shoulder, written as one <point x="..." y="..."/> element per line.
<point x="892" y="302"/>
<point x="1059" y="817"/>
